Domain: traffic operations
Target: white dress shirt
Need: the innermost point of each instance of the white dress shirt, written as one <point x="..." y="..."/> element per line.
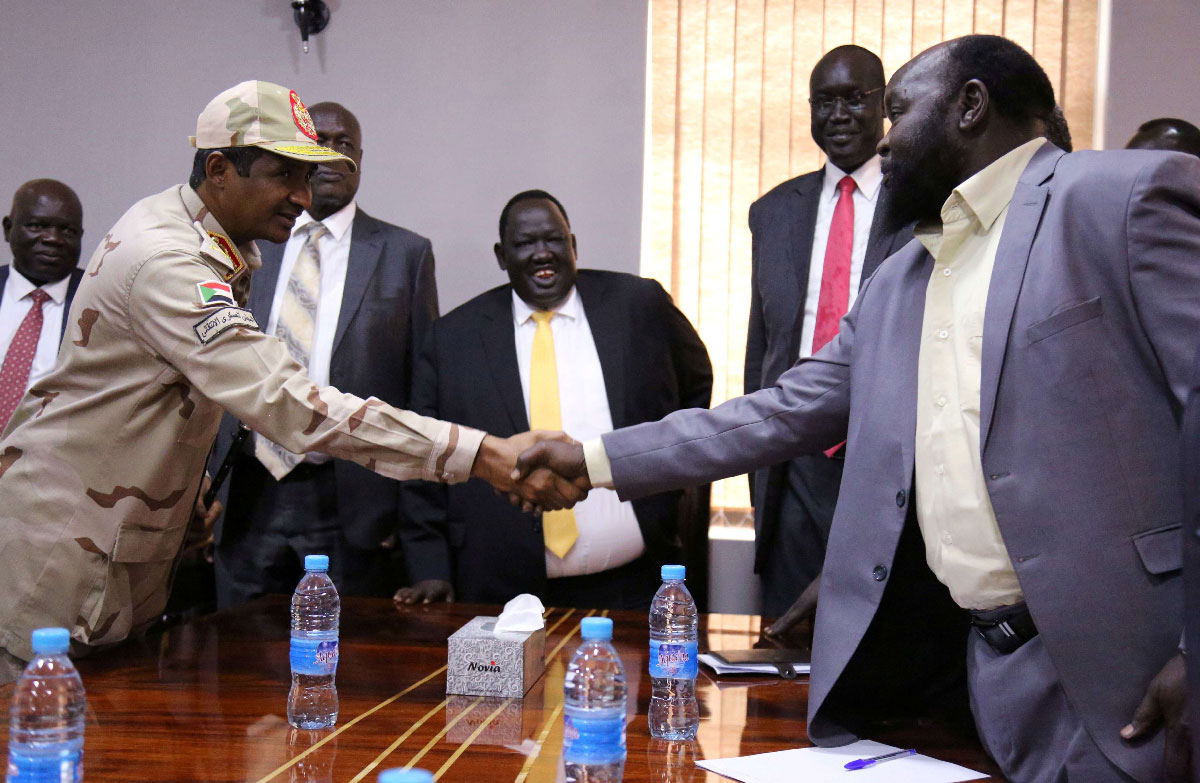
<point x="867" y="178"/>
<point x="333" y="247"/>
<point x="14" y="306"/>
<point x="609" y="535"/>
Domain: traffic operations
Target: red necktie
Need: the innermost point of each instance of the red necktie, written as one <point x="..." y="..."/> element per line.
<point x="835" y="278"/>
<point x="14" y="373"/>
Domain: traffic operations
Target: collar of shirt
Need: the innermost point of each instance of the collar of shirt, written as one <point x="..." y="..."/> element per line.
<point x="338" y="223"/>
<point x="570" y="308"/>
<point x="985" y="195"/>
<point x="200" y="214"/>
<point x="23" y="286"/>
<point x="867" y="178"/>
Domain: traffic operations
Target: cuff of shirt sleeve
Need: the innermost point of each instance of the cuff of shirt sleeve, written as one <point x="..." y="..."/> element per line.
<point x="461" y="446"/>
<point x="598" y="467"/>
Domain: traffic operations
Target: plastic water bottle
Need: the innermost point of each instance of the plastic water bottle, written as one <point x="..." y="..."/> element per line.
<point x="400" y="775"/>
<point x="313" y="701"/>
<point x="594" y="708"/>
<point x="45" y="740"/>
<point x="674" y="713"/>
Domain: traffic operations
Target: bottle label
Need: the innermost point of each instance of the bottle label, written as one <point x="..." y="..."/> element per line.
<point x="315" y="657"/>
<point x="673" y="660"/>
<point x="593" y="739"/>
<point x="63" y="767"/>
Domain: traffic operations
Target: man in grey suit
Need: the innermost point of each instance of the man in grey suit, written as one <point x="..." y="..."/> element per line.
<point x="807" y="269"/>
<point x="377" y="298"/>
<point x="1022" y="366"/>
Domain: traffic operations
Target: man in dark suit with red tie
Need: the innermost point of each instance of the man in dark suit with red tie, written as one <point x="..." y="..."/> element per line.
<point x="816" y="239"/>
<point x="43" y="229"/>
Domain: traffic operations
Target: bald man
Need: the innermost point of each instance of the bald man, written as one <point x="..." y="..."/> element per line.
<point x="1167" y="133"/>
<point x="43" y="229"/>
<point x="377" y="298"/>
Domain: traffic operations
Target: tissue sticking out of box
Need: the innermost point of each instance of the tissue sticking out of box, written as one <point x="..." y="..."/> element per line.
<point x="523" y="614"/>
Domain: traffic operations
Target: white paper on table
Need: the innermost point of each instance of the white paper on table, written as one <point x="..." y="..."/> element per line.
<point x="827" y="765"/>
<point x="711" y="661"/>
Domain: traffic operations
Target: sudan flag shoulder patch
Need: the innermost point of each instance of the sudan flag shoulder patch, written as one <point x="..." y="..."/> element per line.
<point x="215" y="293"/>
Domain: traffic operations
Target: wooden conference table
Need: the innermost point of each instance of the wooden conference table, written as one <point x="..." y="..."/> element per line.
<point x="206" y="701"/>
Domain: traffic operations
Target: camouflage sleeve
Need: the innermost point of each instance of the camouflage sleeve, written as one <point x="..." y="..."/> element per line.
<point x="178" y="313"/>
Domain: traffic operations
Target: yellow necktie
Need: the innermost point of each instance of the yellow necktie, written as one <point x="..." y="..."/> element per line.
<point x="558" y="527"/>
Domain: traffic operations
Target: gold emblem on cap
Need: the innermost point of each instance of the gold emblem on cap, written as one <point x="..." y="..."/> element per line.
<point x="301" y="116"/>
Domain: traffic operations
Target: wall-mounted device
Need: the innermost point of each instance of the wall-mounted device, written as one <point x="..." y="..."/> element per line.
<point x="311" y="17"/>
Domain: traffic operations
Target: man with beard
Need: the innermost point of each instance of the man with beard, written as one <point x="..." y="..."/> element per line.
<point x="376" y="297"/>
<point x="1010" y="386"/>
<point x="43" y="229"/>
<point x="816" y="239"/>
<point x="580" y="351"/>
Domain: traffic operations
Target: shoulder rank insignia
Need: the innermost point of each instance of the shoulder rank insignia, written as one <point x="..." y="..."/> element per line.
<point x="225" y="247"/>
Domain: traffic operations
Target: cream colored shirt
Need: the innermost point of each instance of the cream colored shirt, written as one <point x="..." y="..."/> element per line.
<point x="962" y="540"/>
<point x="609" y="535"/>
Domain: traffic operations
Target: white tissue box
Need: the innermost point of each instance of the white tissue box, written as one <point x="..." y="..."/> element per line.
<point x="483" y="662"/>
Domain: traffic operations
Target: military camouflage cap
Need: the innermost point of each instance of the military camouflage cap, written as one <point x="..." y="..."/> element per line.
<point x="261" y="114"/>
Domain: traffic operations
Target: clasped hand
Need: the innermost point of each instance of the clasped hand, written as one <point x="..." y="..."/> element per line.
<point x="531" y="470"/>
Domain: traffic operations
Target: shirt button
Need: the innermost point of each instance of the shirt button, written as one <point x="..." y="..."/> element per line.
<point x="900" y="498"/>
<point x="943" y="334"/>
<point x="946" y="272"/>
<point x="940" y="470"/>
<point x="880" y="573"/>
<point x="941" y="401"/>
<point x="947" y="538"/>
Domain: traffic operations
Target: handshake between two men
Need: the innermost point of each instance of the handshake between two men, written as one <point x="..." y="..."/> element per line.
<point x="539" y="470"/>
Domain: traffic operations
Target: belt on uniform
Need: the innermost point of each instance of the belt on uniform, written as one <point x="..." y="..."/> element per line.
<point x="1006" y="628"/>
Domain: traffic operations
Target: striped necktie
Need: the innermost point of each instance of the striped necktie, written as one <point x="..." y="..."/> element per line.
<point x="295" y="325"/>
<point x="14" y="373"/>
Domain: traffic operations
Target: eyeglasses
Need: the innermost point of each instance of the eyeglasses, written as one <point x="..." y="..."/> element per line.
<point x="855" y="101"/>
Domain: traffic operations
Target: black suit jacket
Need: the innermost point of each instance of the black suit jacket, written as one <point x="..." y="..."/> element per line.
<point x="388" y="303"/>
<point x="653" y="363"/>
<point x="782" y="223"/>
<point x="76" y="276"/>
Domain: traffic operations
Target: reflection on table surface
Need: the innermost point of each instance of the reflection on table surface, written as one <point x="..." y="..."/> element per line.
<point x="205" y="701"/>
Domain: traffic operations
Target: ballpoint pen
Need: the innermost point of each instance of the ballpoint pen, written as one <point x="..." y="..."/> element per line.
<point x="864" y="763"/>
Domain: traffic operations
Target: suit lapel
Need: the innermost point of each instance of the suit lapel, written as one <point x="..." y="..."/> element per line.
<point x="76" y="276"/>
<point x="366" y="248"/>
<point x="806" y="199"/>
<point x="262" y="284"/>
<point x="1012" y="256"/>
<point x="500" y="350"/>
<point x="609" y="332"/>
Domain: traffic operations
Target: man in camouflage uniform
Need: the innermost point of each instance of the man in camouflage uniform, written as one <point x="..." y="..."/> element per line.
<point x="103" y="460"/>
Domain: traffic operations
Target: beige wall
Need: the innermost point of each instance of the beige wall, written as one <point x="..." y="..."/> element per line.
<point x="463" y="103"/>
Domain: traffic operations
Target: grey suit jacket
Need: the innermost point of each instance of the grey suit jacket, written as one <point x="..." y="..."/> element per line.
<point x="1092" y="318"/>
<point x="388" y="304"/>
<point x="782" y="223"/>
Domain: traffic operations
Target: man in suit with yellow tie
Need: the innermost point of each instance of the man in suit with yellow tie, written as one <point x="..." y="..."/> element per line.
<point x="558" y="348"/>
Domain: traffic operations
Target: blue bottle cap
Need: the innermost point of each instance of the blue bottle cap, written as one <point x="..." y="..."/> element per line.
<point x="51" y="641"/>
<point x="405" y="776"/>
<point x="596" y="628"/>
<point x="316" y="562"/>
<point x="673" y="571"/>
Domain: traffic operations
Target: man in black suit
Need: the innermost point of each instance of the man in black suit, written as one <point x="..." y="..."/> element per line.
<point x="43" y="229"/>
<point x="617" y="352"/>
<point x="377" y="298"/>
<point x="816" y="238"/>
